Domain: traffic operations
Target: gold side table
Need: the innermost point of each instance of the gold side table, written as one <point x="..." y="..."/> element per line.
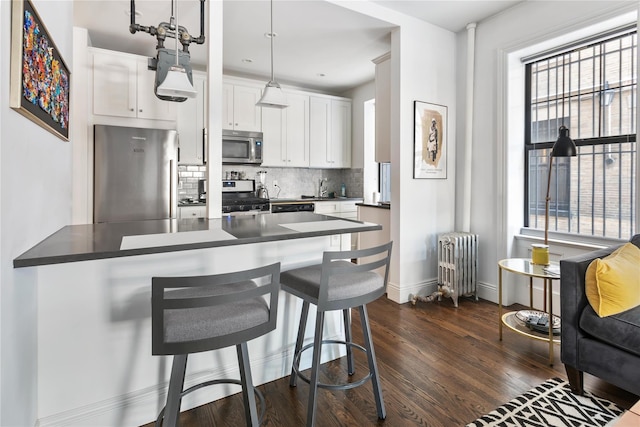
<point x="523" y="266"/>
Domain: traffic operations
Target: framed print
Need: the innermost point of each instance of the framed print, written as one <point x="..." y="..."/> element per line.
<point x="40" y="79"/>
<point x="429" y="140"/>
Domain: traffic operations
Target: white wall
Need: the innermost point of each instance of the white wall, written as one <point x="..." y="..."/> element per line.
<point x="35" y="194"/>
<point x="495" y="167"/>
<point x="423" y="69"/>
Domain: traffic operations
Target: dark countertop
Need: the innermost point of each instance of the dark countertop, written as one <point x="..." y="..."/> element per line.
<point x="99" y="241"/>
<point x="378" y="205"/>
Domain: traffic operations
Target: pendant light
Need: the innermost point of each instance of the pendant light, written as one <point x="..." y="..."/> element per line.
<point x="272" y="96"/>
<point x="176" y="83"/>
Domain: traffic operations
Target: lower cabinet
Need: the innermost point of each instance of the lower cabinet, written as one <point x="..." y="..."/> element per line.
<point x="340" y="209"/>
<point x="185" y="212"/>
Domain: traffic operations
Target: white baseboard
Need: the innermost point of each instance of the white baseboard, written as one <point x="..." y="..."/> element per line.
<point x="488" y="291"/>
<point x="142" y="406"/>
<point x="401" y="295"/>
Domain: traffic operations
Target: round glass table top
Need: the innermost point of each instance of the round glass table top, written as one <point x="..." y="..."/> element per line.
<point x="526" y="267"/>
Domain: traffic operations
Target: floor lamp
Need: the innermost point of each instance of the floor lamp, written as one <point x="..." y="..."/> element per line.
<point x="563" y="147"/>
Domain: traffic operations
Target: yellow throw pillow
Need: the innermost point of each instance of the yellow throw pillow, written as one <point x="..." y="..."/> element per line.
<point x="612" y="284"/>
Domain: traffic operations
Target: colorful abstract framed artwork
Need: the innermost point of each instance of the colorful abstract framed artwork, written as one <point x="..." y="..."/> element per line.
<point x="40" y="79"/>
<point x="430" y="141"/>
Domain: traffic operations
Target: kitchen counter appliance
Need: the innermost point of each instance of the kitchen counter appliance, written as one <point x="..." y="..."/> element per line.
<point x="135" y="174"/>
<point x="239" y="197"/>
<point x="241" y="147"/>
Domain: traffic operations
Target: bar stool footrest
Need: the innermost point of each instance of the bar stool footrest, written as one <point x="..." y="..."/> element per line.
<point x="263" y="407"/>
<point x="342" y="386"/>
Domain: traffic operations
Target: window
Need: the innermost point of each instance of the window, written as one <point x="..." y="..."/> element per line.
<point x="591" y="90"/>
<point x="384" y="180"/>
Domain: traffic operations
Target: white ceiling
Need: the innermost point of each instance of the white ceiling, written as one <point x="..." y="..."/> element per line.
<point x="313" y="37"/>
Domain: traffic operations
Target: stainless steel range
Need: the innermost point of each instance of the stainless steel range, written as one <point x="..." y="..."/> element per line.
<point x="239" y="197"/>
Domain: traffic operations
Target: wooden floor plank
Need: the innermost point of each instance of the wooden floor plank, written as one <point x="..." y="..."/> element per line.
<point x="439" y="366"/>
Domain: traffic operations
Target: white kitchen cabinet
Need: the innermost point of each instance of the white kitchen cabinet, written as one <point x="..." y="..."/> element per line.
<point x="342" y="209"/>
<point x="123" y="87"/>
<point x="330" y="132"/>
<point x="286" y="133"/>
<point x="383" y="108"/>
<point x="239" y="111"/>
<point x="191" y="124"/>
<point x="185" y="212"/>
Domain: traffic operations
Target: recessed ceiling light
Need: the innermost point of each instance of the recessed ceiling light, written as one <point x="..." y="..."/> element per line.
<point x="247" y="60"/>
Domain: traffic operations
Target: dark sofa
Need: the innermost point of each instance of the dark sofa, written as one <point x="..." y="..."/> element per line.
<point x="608" y="347"/>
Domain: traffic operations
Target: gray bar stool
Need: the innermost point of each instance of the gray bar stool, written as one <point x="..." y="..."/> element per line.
<point x="339" y="285"/>
<point x="202" y="313"/>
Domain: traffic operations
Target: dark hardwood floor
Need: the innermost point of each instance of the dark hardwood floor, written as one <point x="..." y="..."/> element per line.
<point x="439" y="366"/>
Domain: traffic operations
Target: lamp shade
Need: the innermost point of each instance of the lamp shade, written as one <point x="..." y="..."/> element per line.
<point x="177" y="84"/>
<point x="273" y="97"/>
<point x="564" y="146"/>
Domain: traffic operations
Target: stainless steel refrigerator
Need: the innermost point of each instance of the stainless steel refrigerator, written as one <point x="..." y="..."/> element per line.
<point x="135" y="174"/>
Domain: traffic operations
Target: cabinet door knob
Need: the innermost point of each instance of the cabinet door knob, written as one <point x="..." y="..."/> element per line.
<point x="140" y="110"/>
<point x="131" y="109"/>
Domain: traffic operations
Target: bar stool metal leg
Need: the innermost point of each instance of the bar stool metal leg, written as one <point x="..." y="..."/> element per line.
<point x="299" y="341"/>
<point x="249" y="398"/>
<point x="347" y="337"/>
<point x="175" y="390"/>
<point x="315" y="369"/>
<point x="373" y="365"/>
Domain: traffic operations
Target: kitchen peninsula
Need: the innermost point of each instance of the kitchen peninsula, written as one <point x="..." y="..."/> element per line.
<point x="93" y="281"/>
<point x="119" y="239"/>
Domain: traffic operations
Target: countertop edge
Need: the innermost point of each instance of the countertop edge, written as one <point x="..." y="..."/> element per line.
<point x="370" y="205"/>
<point x="24" y="260"/>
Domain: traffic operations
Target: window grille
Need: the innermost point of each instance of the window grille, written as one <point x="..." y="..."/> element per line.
<point x="591" y="90"/>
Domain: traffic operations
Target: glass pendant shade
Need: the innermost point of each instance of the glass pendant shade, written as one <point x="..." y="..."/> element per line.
<point x="272" y="96"/>
<point x="177" y="84"/>
<point x="564" y="146"/>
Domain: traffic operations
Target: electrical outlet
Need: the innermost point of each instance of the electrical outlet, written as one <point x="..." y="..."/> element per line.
<point x="275" y="182"/>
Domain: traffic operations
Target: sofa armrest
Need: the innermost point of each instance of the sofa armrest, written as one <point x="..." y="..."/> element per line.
<point x="573" y="300"/>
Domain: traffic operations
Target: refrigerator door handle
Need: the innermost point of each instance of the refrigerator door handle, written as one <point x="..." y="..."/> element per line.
<point x="204" y="146"/>
<point x="173" y="188"/>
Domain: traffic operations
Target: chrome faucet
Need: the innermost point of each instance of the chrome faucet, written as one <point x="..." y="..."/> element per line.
<point x="322" y="188"/>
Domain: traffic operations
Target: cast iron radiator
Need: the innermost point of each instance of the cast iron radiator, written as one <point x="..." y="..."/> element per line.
<point x="458" y="264"/>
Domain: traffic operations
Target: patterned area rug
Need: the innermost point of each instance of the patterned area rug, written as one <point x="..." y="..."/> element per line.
<point x="551" y="404"/>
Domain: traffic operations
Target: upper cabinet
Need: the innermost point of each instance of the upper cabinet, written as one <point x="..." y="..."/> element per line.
<point x="383" y="108"/>
<point x="191" y="124"/>
<point x="239" y="110"/>
<point x="330" y="132"/>
<point x="286" y="133"/>
<point x="123" y="87"/>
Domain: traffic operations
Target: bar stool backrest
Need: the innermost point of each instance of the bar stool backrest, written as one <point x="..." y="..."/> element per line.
<point x="336" y="273"/>
<point x="216" y="292"/>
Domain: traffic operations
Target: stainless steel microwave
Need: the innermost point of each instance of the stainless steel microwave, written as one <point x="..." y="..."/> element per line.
<point x="241" y="147"/>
